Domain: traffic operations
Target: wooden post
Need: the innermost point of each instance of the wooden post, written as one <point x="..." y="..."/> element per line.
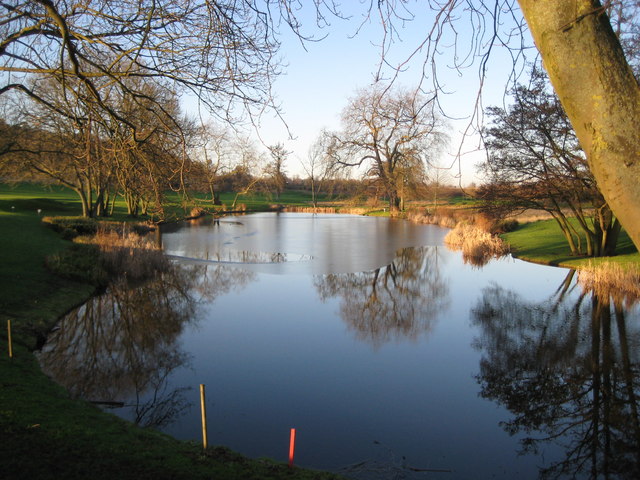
<point x="292" y="446"/>
<point x="9" y="338"/>
<point x="203" y="409"/>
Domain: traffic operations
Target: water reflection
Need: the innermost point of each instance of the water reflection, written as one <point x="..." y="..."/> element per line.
<point x="210" y="281"/>
<point x="120" y="348"/>
<point x="400" y="300"/>
<point x="242" y="258"/>
<point x="122" y="343"/>
<point x="568" y="369"/>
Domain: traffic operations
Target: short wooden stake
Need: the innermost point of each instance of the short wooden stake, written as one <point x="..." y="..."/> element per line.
<point x="203" y="409"/>
<point x="9" y="338"/>
<point x="292" y="446"/>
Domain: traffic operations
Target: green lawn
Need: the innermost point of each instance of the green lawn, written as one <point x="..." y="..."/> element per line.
<point x="29" y="294"/>
<point x="543" y="242"/>
<point x="57" y="200"/>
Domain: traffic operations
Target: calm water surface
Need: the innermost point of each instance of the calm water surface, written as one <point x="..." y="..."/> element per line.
<point x="391" y="356"/>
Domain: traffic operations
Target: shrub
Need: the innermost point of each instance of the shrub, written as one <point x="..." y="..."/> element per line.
<point x="506" y="226"/>
<point x="484" y="222"/>
<point x="71" y="227"/>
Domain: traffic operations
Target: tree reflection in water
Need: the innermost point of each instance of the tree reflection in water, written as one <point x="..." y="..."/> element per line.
<point x="568" y="369"/>
<point x="398" y="301"/>
<point x="119" y="348"/>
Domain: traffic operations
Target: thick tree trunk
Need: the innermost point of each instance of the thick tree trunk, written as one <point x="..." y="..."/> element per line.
<point x="596" y="86"/>
<point x="394" y="202"/>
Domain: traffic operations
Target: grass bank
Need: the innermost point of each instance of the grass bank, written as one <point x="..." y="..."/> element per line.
<point x="543" y="242"/>
<point x="44" y="433"/>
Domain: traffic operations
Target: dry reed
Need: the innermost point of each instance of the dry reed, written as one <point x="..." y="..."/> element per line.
<point x="477" y="245"/>
<point x="338" y="209"/>
<point x="125" y="252"/>
<point x="299" y="209"/>
<point x="445" y="220"/>
<point x="611" y="280"/>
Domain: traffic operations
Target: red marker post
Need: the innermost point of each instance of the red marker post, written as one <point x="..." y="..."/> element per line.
<point x="292" y="446"/>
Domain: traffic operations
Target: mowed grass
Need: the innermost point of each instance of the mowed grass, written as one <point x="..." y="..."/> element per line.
<point x="58" y="200"/>
<point x="543" y="242"/>
<point x="29" y="293"/>
<point x="44" y="434"/>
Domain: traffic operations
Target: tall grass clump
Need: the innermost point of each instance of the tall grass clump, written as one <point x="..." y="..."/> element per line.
<point x="477" y="245"/>
<point x="611" y="280"/>
<point x="124" y="252"/>
<point x="113" y="251"/>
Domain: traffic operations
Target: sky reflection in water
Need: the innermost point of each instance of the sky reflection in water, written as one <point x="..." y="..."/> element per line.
<point x="375" y="342"/>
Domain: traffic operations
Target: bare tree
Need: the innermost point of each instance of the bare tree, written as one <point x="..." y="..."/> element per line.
<point x="438" y="179"/>
<point x="318" y="167"/>
<point x="213" y="157"/>
<point x="534" y="161"/>
<point x="224" y="50"/>
<point x="96" y="155"/>
<point x="64" y="148"/>
<point x="392" y="133"/>
<point x="243" y="179"/>
<point x="220" y="51"/>
<point x="145" y="169"/>
<point x="275" y="168"/>
<point x="599" y="92"/>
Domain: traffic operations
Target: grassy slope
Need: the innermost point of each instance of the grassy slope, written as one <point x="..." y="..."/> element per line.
<point x="45" y="434"/>
<point x="28" y="292"/>
<point x="543" y="242"/>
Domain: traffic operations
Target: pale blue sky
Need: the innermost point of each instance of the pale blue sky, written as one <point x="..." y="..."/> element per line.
<point x="317" y="82"/>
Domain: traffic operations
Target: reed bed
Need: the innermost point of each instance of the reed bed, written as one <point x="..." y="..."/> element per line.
<point x="125" y="252"/>
<point x="478" y="246"/>
<point x="610" y="280"/>
<point x="114" y="251"/>
<point x="339" y="209"/>
<point x="299" y="209"/>
<point x="445" y="221"/>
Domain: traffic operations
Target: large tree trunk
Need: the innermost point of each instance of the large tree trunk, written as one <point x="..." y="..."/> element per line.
<point x="596" y="86"/>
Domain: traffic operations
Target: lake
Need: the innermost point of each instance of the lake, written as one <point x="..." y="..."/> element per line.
<point x="389" y="354"/>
